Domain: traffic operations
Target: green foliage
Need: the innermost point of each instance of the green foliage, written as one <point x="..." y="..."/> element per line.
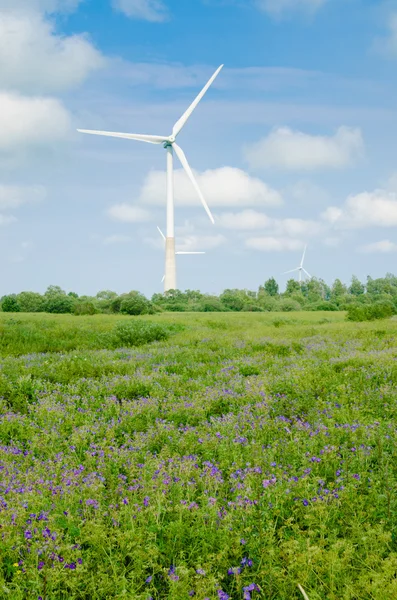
<point x="31" y="302"/>
<point x="137" y="333"/>
<point x="59" y="304"/>
<point x="85" y="308"/>
<point x="239" y="445"/>
<point x="10" y="304"/>
<point x="370" y="312"/>
<point x="322" y="305"/>
<point x="135" y="303"/>
<point x="271" y="287"/>
<point x="233" y="300"/>
<point x="288" y="305"/>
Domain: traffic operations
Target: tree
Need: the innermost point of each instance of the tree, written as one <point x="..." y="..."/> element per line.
<point x="134" y="303"/>
<point x="60" y="304"/>
<point x="292" y="287"/>
<point x="233" y="300"/>
<point x="356" y="287"/>
<point x="271" y="287"/>
<point x="31" y="302"/>
<point x="10" y="304"/>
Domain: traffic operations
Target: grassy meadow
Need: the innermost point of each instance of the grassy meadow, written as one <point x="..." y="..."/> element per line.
<point x="240" y="455"/>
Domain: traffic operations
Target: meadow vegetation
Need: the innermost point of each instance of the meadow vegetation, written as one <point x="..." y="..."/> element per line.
<point x="183" y="455"/>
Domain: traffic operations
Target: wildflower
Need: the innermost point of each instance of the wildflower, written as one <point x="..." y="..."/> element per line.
<point x="247" y="562"/>
<point x="252" y="587"/>
<point x="149" y="579"/>
<point x="200" y="572"/>
<point x="234" y="571"/>
<point x="40" y="565"/>
<point x="243" y="542"/>
<point x="305" y="502"/>
<point x="146" y="501"/>
<point x="222" y="595"/>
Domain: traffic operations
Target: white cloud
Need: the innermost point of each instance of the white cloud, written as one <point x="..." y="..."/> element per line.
<point x="226" y="186"/>
<point x="388" y="44"/>
<point x="287" y="149"/>
<point x="197" y="243"/>
<point x="26" y="122"/>
<point x="117" y="239"/>
<point x="245" y="220"/>
<point x="148" y="10"/>
<point x="6" y="219"/>
<point x="368" y="209"/>
<point x="34" y="59"/>
<point x="15" y="196"/>
<point x="384" y="247"/>
<point x="128" y="213"/>
<point x="278" y="8"/>
<point x="273" y="244"/>
<point x="252" y="219"/>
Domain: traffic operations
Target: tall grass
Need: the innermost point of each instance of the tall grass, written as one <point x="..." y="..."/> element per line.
<point x="238" y="458"/>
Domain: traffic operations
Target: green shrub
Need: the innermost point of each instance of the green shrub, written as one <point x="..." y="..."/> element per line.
<point x="370" y="312"/>
<point x="135" y="303"/>
<point x="288" y="305"/>
<point x="321" y="306"/>
<point x="61" y="304"/>
<point x="85" y="308"/>
<point x="137" y="333"/>
<point x="10" y="304"/>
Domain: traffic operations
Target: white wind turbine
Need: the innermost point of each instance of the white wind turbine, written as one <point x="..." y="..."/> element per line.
<point x="176" y="253"/>
<point x="301" y="268"/>
<point x="169" y="143"/>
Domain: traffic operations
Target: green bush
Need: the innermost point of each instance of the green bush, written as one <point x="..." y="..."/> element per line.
<point x="287" y="305"/>
<point x="10" y="304"/>
<point x="61" y="304"/>
<point x="135" y="303"/>
<point x="370" y="312"/>
<point x="137" y="333"/>
<point x="85" y="308"/>
<point x="322" y="306"/>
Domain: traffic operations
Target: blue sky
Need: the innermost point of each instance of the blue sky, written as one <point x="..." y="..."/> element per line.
<point x="295" y="143"/>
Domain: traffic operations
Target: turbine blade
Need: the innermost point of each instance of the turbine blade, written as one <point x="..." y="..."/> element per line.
<point x="179" y="125"/>
<point x="292" y="271"/>
<point x="189" y="252"/>
<point x="162" y="281"/>
<point x="308" y="274"/>
<point x="181" y="155"/>
<point x="161" y="233"/>
<point x="150" y="139"/>
<point x="303" y="257"/>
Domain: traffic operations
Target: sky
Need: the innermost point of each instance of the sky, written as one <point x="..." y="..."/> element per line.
<point x="295" y="143"/>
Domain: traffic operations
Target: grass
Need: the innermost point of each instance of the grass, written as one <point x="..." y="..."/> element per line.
<point x="246" y="456"/>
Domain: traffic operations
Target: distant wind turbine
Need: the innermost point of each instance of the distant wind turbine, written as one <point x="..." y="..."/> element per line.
<point x="169" y="143"/>
<point x="301" y="268"/>
<point x="179" y="252"/>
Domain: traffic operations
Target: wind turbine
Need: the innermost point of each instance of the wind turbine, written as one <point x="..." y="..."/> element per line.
<point x="301" y="268"/>
<point x="179" y="252"/>
<point x="169" y="143"/>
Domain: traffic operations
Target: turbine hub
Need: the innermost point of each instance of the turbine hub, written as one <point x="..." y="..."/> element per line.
<point x="171" y="139"/>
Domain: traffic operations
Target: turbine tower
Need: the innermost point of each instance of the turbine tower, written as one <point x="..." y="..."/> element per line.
<point x="176" y="253"/>
<point x="170" y="145"/>
<point x="301" y="268"/>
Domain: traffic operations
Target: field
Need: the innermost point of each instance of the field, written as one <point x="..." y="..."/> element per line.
<point x="242" y="456"/>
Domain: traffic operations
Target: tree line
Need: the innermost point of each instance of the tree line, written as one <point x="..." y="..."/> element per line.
<point x="313" y="295"/>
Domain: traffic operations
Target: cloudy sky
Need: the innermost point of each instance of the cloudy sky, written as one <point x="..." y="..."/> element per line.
<point x="295" y="143"/>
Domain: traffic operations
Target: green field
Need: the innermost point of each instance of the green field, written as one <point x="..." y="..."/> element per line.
<point x="244" y="455"/>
